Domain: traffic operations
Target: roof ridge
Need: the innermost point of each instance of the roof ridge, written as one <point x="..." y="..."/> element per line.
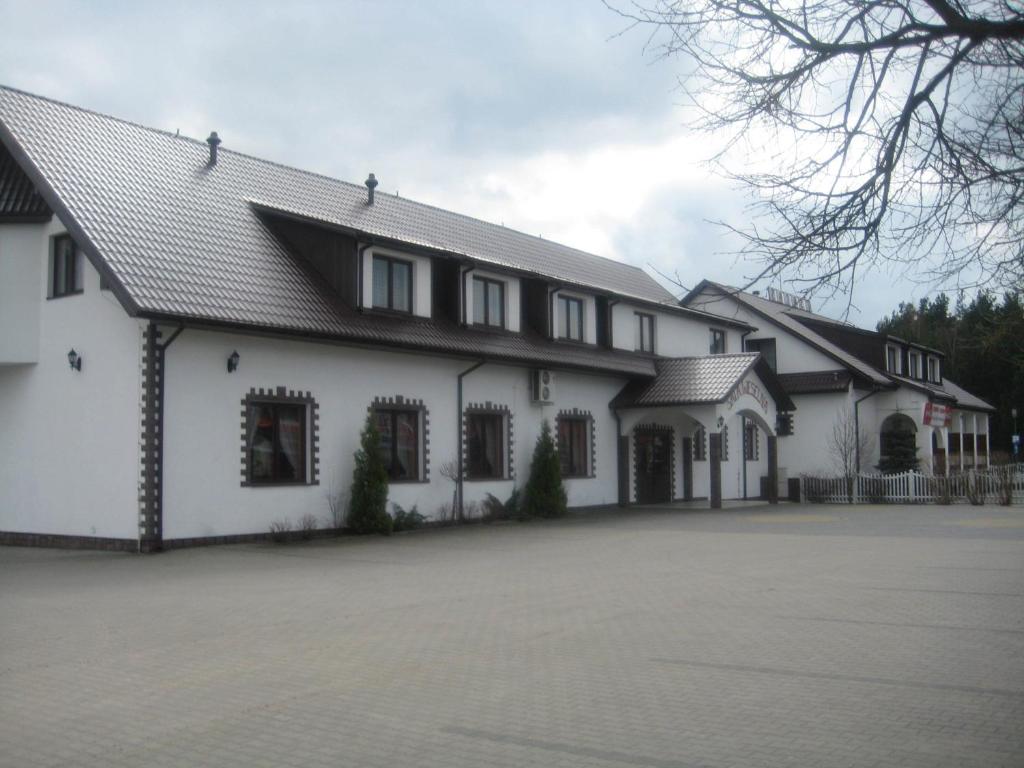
<point x="318" y="175"/>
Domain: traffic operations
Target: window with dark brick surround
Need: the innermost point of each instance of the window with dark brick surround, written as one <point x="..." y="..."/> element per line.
<point x="279" y="438"/>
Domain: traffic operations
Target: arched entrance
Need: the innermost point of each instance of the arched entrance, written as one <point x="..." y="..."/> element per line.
<point x="897" y="444"/>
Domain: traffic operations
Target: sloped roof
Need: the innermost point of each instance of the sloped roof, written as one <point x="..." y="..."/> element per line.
<point x="788" y="318"/>
<point x="181" y="238"/>
<point x="698" y="380"/>
<point x="791" y="318"/>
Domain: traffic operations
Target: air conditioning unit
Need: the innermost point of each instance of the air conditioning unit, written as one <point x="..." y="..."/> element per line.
<point x="543" y="386"/>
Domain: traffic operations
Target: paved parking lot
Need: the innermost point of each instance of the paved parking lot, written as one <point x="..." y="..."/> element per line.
<point x="796" y="636"/>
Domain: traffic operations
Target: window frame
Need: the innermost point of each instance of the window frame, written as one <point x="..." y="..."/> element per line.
<point x="308" y="411"/>
<point x="751" y="446"/>
<point x="567" y="302"/>
<point x="390" y="261"/>
<point x="914" y="364"/>
<point x="503" y="444"/>
<point x="394" y="410"/>
<point x="73" y="276"/>
<point x="642" y="319"/>
<point x="897" y="359"/>
<point x="484" y="283"/>
<point x="937" y="378"/>
<point x="716" y="334"/>
<point x="700" y="443"/>
<point x="576" y="419"/>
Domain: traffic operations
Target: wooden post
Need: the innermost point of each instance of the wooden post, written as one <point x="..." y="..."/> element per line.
<point x="773" y="469"/>
<point x="715" y="465"/>
<point x="623" y="470"/>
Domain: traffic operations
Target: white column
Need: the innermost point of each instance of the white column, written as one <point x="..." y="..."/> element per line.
<point x="974" y="433"/>
<point x="961" y="416"/>
<point x="988" y="453"/>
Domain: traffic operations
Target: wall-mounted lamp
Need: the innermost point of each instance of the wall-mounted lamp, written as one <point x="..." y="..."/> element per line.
<point x="721" y="421"/>
<point x="233" y="362"/>
<point x="74" y="360"/>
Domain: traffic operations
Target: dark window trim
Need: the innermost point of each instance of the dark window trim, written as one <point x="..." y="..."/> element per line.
<point x="400" y="403"/>
<point x="489" y="409"/>
<point x="650" y="346"/>
<point x="751" y="442"/>
<point x="310" y="433"/>
<point x="72" y="276"/>
<point x="391" y="261"/>
<point x="485" y="282"/>
<point x="714" y="333"/>
<point x="569" y="300"/>
<point x="589" y="439"/>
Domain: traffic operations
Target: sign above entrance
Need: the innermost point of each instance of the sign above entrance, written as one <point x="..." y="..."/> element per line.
<point x="936" y="415"/>
<point x="752" y="388"/>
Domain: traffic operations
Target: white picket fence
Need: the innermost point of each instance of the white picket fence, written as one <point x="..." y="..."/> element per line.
<point x="914" y="487"/>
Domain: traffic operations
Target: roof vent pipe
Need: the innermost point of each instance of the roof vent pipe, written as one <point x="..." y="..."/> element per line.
<point x="371" y="184"/>
<point x="214" y="142"/>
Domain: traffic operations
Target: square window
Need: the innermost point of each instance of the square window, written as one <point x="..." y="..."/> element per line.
<point x="399" y="442"/>
<point x="914" y="365"/>
<point x="892" y="359"/>
<point x="717" y="346"/>
<point x="276" y="448"/>
<point x="574" y="446"/>
<point x="486" y="438"/>
<point x="65" y="271"/>
<point x="570" y="318"/>
<point x="767" y="349"/>
<point x="933" y="370"/>
<point x="644" y="336"/>
<point x="392" y="284"/>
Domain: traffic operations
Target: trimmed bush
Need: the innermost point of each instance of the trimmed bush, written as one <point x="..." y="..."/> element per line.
<point x="368" y="510"/>
<point x="544" y="495"/>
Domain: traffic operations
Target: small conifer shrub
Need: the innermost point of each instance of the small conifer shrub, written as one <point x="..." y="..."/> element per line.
<point x="368" y="509"/>
<point x="544" y="495"/>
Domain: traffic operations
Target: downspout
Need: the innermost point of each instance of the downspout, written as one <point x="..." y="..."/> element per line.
<point x="359" y="275"/>
<point x="458" y="431"/>
<point x="856" y="424"/>
<point x="743" y="420"/>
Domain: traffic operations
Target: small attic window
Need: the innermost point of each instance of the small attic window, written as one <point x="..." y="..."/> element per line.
<point x="65" y="267"/>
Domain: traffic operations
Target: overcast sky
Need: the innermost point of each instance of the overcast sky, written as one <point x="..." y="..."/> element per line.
<point x="529" y="113"/>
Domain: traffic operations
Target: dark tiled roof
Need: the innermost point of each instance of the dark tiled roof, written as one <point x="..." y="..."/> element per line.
<point x="808" y="382"/>
<point x="19" y="199"/>
<point x="688" y="380"/>
<point x="182" y="239"/>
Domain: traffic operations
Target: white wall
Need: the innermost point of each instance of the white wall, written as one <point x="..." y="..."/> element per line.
<point x="203" y="427"/>
<point x="807" y="450"/>
<point x="793" y="354"/>
<point x="421" y="284"/>
<point x="22" y="272"/>
<point x="513" y="303"/>
<point x="675" y="334"/>
<point x="69" y="446"/>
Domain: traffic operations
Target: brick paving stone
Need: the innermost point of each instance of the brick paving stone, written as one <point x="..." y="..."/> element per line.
<point x="868" y="636"/>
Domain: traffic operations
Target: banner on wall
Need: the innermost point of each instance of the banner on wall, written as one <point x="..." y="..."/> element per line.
<point x="936" y="415"/>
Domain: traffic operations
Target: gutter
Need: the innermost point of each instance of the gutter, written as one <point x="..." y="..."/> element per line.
<point x="458" y="431"/>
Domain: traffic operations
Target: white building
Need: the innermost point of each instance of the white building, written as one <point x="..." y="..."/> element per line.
<point x="192" y="339"/>
<point x="835" y="371"/>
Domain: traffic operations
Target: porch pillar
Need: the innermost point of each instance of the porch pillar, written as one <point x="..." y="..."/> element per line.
<point x="773" y="469"/>
<point x="715" y="466"/>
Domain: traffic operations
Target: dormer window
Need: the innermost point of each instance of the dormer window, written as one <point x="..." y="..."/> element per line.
<point x="644" y="338"/>
<point x="914" y="365"/>
<point x="392" y="284"/>
<point x="933" y="370"/>
<point x="892" y="359"/>
<point x="488" y="302"/>
<point x="570" y="318"/>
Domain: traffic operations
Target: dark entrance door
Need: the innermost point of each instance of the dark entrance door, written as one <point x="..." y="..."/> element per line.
<point x="653" y="465"/>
